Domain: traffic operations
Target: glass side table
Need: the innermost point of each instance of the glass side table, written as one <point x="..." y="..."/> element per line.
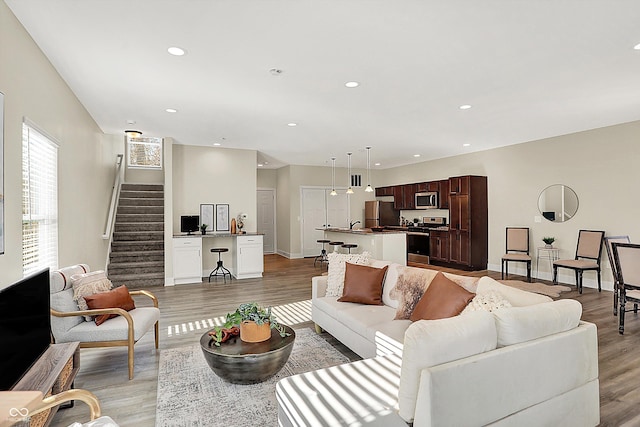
<point x="552" y="254"/>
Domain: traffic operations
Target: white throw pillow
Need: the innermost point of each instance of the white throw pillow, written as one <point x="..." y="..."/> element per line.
<point x="517" y="297"/>
<point x="520" y="324"/>
<point x="390" y="281"/>
<point x="88" y="284"/>
<point x="335" y="275"/>
<point x="491" y="301"/>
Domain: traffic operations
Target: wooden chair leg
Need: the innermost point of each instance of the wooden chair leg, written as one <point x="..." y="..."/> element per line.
<point x="529" y="271"/>
<point x="156" y="329"/>
<point x="579" y="280"/>
<point x="615" y="298"/>
<point x="621" y="316"/>
<point x="599" y="284"/>
<point x="555" y="275"/>
<point x="502" y="270"/>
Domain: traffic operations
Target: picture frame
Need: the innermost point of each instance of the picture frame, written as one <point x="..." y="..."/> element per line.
<point x="206" y="215"/>
<point x="222" y="217"/>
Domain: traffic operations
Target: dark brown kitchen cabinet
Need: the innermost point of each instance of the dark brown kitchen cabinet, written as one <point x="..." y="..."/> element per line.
<point x="384" y="191"/>
<point x="404" y="196"/>
<point x="468" y="223"/>
<point x="443" y="196"/>
<point x="428" y="186"/>
<point x="439" y="246"/>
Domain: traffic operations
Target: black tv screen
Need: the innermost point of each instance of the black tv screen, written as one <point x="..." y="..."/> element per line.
<point x="25" y="326"/>
<point x="189" y="223"/>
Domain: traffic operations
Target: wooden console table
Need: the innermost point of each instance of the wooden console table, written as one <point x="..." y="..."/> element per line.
<point x="52" y="373"/>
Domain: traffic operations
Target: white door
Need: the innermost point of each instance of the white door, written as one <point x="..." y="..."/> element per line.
<point x="267" y="219"/>
<point x="320" y="210"/>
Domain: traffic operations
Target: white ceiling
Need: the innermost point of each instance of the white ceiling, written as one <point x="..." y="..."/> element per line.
<point x="530" y="69"/>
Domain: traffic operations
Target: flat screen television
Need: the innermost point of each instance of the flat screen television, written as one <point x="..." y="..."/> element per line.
<point x="189" y="223"/>
<point x="25" y="326"/>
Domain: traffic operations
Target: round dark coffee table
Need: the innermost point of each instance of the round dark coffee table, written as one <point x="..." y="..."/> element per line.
<point x="240" y="362"/>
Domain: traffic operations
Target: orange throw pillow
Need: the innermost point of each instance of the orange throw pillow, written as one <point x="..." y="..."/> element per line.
<point x="363" y="284"/>
<point x="116" y="298"/>
<point x="443" y="298"/>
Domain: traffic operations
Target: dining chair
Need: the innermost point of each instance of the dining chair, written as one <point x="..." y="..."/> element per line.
<point x="587" y="257"/>
<point x="627" y="260"/>
<point x="608" y="241"/>
<point x="517" y="249"/>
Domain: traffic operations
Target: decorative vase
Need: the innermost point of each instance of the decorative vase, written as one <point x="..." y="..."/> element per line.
<point x="204" y="232"/>
<point x="548" y="246"/>
<point x="250" y="331"/>
<point x="233" y="226"/>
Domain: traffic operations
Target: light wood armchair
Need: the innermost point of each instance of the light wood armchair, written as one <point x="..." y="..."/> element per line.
<point x="67" y="323"/>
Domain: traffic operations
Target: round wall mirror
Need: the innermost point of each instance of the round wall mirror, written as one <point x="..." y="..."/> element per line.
<point x="558" y="203"/>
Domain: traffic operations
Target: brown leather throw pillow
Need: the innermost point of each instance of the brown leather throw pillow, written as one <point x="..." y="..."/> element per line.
<point x="116" y="298"/>
<point x="443" y="298"/>
<point x="363" y="284"/>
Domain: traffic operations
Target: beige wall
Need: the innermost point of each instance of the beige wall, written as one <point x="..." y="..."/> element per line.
<point x="290" y="181"/>
<point x="267" y="178"/>
<point x="86" y="158"/>
<point x="601" y="165"/>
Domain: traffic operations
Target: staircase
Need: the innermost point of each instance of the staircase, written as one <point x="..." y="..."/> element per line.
<point x="137" y="249"/>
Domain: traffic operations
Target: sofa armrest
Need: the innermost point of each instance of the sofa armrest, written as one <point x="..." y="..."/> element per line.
<point x="318" y="286"/>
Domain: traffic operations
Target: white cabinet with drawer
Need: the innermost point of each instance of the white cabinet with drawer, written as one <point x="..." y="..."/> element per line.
<point x="248" y="262"/>
<point x="187" y="260"/>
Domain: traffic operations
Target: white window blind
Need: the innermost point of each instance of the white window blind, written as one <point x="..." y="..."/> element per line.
<point x="39" y="201"/>
<point x="144" y="152"/>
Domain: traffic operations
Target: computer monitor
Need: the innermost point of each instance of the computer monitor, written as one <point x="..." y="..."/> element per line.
<point x="189" y="223"/>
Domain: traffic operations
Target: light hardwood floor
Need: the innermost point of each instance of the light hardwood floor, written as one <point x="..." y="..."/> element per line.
<point x="187" y="311"/>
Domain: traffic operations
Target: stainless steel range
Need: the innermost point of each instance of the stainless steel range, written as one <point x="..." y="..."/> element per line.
<point x="418" y="239"/>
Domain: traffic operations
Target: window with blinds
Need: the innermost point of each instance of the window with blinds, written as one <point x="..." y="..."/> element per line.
<point x="39" y="201"/>
<point x="144" y="152"/>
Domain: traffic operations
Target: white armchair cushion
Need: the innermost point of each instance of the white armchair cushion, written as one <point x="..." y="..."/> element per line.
<point x="520" y="324"/>
<point x="63" y="301"/>
<point x="114" y="329"/>
<point x="61" y="279"/>
<point x="433" y="342"/>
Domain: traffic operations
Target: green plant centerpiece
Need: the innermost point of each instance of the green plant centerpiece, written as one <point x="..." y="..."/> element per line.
<point x="548" y="241"/>
<point x="246" y="313"/>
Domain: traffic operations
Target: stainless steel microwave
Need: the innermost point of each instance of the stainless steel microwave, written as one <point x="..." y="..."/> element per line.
<point x="428" y="200"/>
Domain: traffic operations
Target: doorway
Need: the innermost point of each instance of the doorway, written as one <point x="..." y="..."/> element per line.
<point x="266" y="207"/>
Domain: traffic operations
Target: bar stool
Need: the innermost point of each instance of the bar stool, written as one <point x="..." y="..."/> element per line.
<point x="220" y="270"/>
<point x="349" y="246"/>
<point x="336" y="245"/>
<point x="323" y="254"/>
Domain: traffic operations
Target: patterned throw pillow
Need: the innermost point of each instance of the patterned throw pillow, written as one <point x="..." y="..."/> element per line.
<point x="88" y="284"/>
<point x="490" y="301"/>
<point x="335" y="276"/>
<point x="411" y="285"/>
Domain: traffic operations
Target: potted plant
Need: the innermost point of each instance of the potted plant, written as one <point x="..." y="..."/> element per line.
<point x="203" y="228"/>
<point x="254" y="323"/>
<point x="548" y="241"/>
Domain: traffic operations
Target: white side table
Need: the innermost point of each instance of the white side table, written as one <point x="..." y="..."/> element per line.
<point x="552" y="254"/>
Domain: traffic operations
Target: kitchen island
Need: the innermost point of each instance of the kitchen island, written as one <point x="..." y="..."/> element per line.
<point x="388" y="245"/>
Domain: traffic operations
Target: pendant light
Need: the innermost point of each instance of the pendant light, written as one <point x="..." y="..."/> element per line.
<point x="349" y="189"/>
<point x="368" y="189"/>
<point x="333" y="177"/>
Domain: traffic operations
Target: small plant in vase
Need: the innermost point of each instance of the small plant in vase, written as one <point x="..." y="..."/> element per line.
<point x="548" y="241"/>
<point x="249" y="318"/>
<point x="203" y="228"/>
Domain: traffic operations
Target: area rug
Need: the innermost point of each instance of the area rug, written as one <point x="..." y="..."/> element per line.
<point x="537" y="287"/>
<point x="191" y="394"/>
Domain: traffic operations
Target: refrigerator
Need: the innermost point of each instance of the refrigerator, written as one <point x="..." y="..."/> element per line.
<point x="379" y="214"/>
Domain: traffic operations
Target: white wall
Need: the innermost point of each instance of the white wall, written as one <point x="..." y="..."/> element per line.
<point x="86" y="157"/>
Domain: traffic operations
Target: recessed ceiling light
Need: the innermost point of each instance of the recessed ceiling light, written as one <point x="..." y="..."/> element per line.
<point x="376" y="164"/>
<point x="465" y="107"/>
<point x="292" y="124"/>
<point x="352" y="84"/>
<point x="466" y="145"/>
<point x="276" y="71"/>
<point x="171" y="110"/>
<point x="176" y="51"/>
<point x="416" y="155"/>
<point x="217" y="144"/>
<point x="260" y="165"/>
<point x="637" y="47"/>
<point x="131" y="122"/>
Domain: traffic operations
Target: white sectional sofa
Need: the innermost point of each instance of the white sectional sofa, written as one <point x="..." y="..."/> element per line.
<point x="532" y="364"/>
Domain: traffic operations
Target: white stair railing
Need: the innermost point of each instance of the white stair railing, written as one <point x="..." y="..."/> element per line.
<point x="111" y="216"/>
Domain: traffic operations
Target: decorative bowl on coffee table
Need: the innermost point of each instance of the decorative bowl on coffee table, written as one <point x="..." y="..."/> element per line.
<point x="240" y="362"/>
